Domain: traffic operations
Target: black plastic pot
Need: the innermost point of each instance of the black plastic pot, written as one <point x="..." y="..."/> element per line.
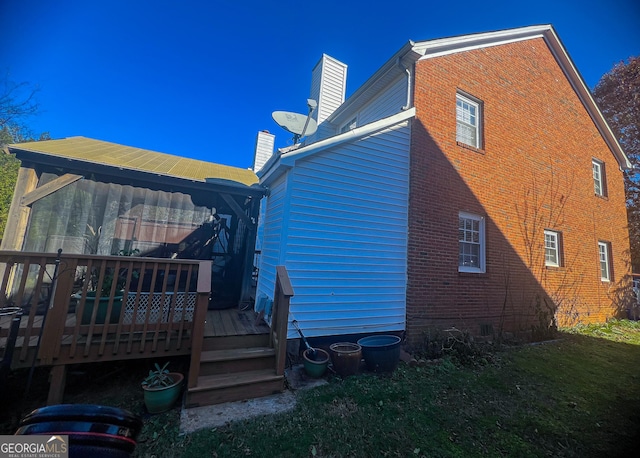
<point x="381" y="353"/>
<point x="93" y="430"/>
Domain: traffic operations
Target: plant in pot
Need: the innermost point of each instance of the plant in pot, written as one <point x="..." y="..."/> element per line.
<point x="161" y="389"/>
<point x="110" y="276"/>
<point x="104" y="296"/>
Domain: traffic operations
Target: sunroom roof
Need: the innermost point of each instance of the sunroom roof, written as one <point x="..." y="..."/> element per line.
<point x="128" y="157"/>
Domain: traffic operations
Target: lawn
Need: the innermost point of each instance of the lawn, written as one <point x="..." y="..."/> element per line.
<point x="577" y="396"/>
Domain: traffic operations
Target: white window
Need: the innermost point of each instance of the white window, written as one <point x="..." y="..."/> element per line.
<point x="605" y="266"/>
<point x="598" y="178"/>
<point x="348" y="126"/>
<point x="468" y="121"/>
<point x="552" y="248"/>
<point x="471" y="243"/>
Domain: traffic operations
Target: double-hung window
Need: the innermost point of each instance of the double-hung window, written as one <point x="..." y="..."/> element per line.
<point x="471" y="256"/>
<point x="552" y="249"/>
<point x="604" y="250"/>
<point x="468" y="121"/>
<point x="599" y="182"/>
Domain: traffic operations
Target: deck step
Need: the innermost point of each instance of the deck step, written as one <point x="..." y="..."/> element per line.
<point x="231" y="342"/>
<point x="236" y="360"/>
<point x="236" y="353"/>
<point x="219" y="388"/>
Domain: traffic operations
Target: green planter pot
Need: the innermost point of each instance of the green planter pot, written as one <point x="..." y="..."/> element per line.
<point x="103" y="305"/>
<point x="161" y="399"/>
<point x="315" y="366"/>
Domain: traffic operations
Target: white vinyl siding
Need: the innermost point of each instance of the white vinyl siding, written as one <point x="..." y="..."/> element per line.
<point x="468" y="121"/>
<point x="604" y="248"/>
<point x="272" y="237"/>
<point x="328" y="87"/>
<point x="346" y="243"/>
<point x="471" y="243"/>
<point x="386" y="103"/>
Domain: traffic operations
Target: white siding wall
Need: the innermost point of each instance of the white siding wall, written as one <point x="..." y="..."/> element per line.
<point x="346" y="242"/>
<point x="328" y="88"/>
<point x="272" y="236"/>
<point x="387" y="103"/>
<point x="384" y="104"/>
<point x="264" y="149"/>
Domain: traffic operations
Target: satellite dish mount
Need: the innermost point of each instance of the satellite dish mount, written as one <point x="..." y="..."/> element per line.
<point x="298" y="124"/>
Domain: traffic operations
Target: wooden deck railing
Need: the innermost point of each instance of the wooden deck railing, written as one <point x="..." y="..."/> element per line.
<point x="87" y="308"/>
<point x="278" y="334"/>
<point x="280" y="320"/>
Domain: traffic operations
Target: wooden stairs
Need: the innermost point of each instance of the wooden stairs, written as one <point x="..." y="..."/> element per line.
<point x="227" y="368"/>
<point x="235" y="368"/>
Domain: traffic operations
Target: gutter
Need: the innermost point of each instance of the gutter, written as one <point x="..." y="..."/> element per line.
<point x="282" y="161"/>
<point x="291" y="157"/>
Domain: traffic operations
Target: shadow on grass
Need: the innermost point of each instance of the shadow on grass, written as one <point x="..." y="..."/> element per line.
<point x="577" y="396"/>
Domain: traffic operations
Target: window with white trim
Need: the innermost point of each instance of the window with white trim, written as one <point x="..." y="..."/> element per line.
<point x="552" y="252"/>
<point x="468" y="121"/>
<point x="599" y="183"/>
<point x="471" y="243"/>
<point x="604" y="250"/>
<point x="348" y="126"/>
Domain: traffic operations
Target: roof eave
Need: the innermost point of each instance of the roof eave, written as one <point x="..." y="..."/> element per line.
<point x="52" y="160"/>
<point x="405" y="55"/>
<point x="280" y="162"/>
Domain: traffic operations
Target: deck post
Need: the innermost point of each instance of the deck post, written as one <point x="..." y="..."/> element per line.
<point x="57" y="381"/>
<point x="280" y="322"/>
<point x="18" y="217"/>
<point x="200" y="315"/>
<point x="54" y="320"/>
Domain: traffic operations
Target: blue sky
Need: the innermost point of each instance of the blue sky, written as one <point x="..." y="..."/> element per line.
<point x="201" y="78"/>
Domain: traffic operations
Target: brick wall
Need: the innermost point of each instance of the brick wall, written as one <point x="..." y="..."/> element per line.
<point x="532" y="173"/>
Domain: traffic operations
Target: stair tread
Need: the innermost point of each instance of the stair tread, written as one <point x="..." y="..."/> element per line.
<point x="219" y="381"/>
<point x="235" y="354"/>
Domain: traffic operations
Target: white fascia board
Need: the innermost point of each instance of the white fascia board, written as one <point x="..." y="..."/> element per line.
<point x="272" y="170"/>
<point x="445" y="46"/>
<point x="289" y="159"/>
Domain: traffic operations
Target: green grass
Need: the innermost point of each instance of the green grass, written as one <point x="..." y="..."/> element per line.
<point x="578" y="396"/>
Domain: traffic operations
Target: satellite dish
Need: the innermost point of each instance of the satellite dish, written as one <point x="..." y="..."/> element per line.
<point x="298" y="124"/>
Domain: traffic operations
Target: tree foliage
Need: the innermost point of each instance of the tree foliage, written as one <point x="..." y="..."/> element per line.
<point x="9" y="166"/>
<point x="618" y="96"/>
<point x="17" y="104"/>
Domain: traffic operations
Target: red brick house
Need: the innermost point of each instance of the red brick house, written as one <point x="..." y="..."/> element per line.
<point x="470" y="182"/>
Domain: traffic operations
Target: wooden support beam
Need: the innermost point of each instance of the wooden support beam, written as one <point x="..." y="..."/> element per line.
<point x="238" y="210"/>
<point x="18" y="215"/>
<point x="57" y="381"/>
<point x="18" y="218"/>
<point x="49" y="188"/>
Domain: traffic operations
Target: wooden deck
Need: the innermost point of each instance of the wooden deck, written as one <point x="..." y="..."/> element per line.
<point x="219" y="323"/>
<point x="233" y="322"/>
<point x="150" y="318"/>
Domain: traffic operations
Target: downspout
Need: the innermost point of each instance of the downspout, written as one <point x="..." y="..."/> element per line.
<point x="408" y="72"/>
